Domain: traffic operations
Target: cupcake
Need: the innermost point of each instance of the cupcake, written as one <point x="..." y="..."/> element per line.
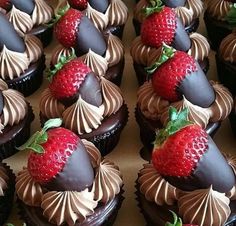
<point x="31" y="17"/>
<point x="188" y="11"/>
<point x="16" y="116"/>
<point x="109" y="16"/>
<point x="7" y="189"/>
<point x="161" y="26"/>
<point x="104" y="54"/>
<point x="173" y="83"/>
<point x="232" y="118"/>
<point x="226" y="62"/>
<point x="21" y="59"/>
<point x="89" y="105"/>
<point x="188" y="175"/>
<point x="67" y="182"/>
<point x="219" y="19"/>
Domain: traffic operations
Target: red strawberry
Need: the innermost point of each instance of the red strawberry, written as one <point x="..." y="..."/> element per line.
<point x="179" y="146"/>
<point x="177" y="221"/>
<point x="5" y="4"/>
<point x="78" y="4"/>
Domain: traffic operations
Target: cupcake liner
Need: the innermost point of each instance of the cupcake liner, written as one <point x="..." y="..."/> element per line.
<point x="7" y="200"/>
<point x="232" y="119"/>
<point x="31" y="80"/>
<point x="9" y="148"/>
<point x="109" y="213"/>
<point x="226" y="73"/>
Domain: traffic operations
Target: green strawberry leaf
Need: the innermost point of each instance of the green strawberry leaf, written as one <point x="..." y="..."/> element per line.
<point x="37" y="148"/>
<point x="173" y="113"/>
<point x="28" y="143"/>
<point x="42" y="138"/>
<point x="52" y="123"/>
<point x="177" y="220"/>
<point x="231" y="15"/>
<point x="154" y="6"/>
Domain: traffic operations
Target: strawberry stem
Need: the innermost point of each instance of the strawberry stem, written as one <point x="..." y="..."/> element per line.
<point x="154" y="6"/>
<point x="167" y="52"/>
<point x="178" y="120"/>
<point x="40" y="137"/>
<point x="62" y="61"/>
<point x="177" y="220"/>
<point x="231" y="15"/>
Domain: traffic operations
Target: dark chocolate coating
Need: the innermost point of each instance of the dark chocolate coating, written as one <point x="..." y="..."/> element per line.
<point x="89" y="37"/>
<point x="181" y="40"/>
<point x="99" y="5"/>
<point x="26" y="6"/>
<point x="197" y="89"/>
<point x="1" y="102"/>
<point x="9" y="37"/>
<point x="212" y="169"/>
<point x="77" y="173"/>
<point x="174" y="3"/>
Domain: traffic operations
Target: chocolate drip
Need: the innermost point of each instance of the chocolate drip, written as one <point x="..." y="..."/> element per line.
<point x="181" y="40"/>
<point x="174" y="3"/>
<point x="26" y="6"/>
<point x="99" y="5"/>
<point x="77" y="173"/>
<point x="1" y="102"/>
<point x="212" y="169"/>
<point x="197" y="89"/>
<point x="9" y="37"/>
<point x="89" y="37"/>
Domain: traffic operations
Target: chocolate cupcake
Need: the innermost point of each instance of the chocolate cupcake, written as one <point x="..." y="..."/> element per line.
<point x="161" y="26"/>
<point x="103" y="54"/>
<point x="226" y="62"/>
<point x="16" y="116"/>
<point x="7" y="189"/>
<point x="31" y="17"/>
<point x="89" y="105"/>
<point x="21" y="59"/>
<point x="232" y="118"/>
<point x="109" y="16"/>
<point x="218" y="20"/>
<point x="68" y="182"/>
<point x="188" y="11"/>
<point x="188" y="175"/>
<point x="206" y="108"/>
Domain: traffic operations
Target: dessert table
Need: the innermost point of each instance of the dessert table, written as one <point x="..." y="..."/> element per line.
<point x="126" y="154"/>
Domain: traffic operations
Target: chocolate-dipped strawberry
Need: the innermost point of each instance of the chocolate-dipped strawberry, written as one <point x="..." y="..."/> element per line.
<point x="163" y="25"/>
<point x="5" y="4"/>
<point x="9" y="37"/>
<point x="78" y="4"/>
<point x="74" y="29"/>
<point x="174" y="3"/>
<point x="26" y="6"/>
<point x="71" y="79"/>
<point x="188" y="158"/>
<point x="176" y="74"/>
<point x="58" y="159"/>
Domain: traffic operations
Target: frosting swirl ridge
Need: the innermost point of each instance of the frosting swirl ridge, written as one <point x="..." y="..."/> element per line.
<point x="60" y="51"/>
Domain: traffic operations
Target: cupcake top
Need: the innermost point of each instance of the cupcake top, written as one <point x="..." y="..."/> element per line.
<point x="227" y="48"/>
<point x="24" y="16"/>
<point x="76" y="188"/>
<point x="187" y="13"/>
<point x="3" y="179"/>
<point x="13" y="106"/>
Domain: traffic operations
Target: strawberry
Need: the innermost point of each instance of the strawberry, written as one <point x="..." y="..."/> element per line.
<point x="78" y="4"/>
<point x="179" y="146"/>
<point x="177" y="221"/>
<point x="5" y="4"/>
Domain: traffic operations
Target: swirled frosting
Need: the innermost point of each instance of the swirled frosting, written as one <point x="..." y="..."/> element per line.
<point x="228" y="48"/>
<point x="3" y="85"/>
<point x="3" y="180"/>
<point x="60" y="51"/>
<point x="107" y="182"/>
<point x="42" y="12"/>
<point x="200" y="47"/>
<point x="117" y="12"/>
<point x="138" y="10"/>
<point x="21" y="21"/>
<point x="34" y="48"/>
<point x="68" y="206"/>
<point x="50" y="106"/>
<point x="155" y="188"/>
<point x="150" y="104"/>
<point x="218" y="9"/>
<point x="29" y="191"/>
<point x="232" y="193"/>
<point x="12" y="64"/>
<point x="204" y="207"/>
<point x="82" y="117"/>
<point x="112" y="98"/>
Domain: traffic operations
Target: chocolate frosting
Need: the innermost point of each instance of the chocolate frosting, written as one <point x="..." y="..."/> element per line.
<point x="181" y="40"/>
<point x="174" y="3"/>
<point x="1" y="102"/>
<point x="76" y="175"/>
<point x="100" y="6"/>
<point x="26" y="6"/>
<point x="212" y="169"/>
<point x="89" y="37"/>
<point x="9" y="37"/>
<point x="201" y="94"/>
